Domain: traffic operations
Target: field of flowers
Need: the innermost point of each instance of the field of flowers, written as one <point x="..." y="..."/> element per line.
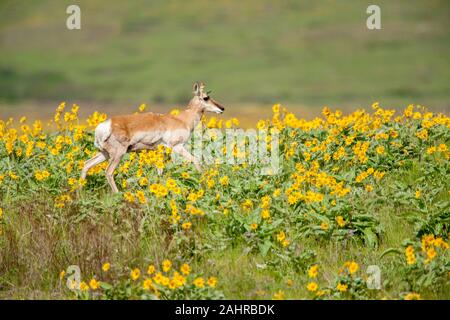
<point x="359" y="210"/>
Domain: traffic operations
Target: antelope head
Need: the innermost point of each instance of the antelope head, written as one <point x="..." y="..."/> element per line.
<point x="203" y="101"/>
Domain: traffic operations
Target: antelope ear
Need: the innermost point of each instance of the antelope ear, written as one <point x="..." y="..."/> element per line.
<point x="196" y="89"/>
<point x="202" y="87"/>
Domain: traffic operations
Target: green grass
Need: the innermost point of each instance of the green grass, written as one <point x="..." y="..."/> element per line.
<point x="39" y="244"/>
<point x="38" y="241"/>
<point x="256" y="53"/>
<point x="299" y="52"/>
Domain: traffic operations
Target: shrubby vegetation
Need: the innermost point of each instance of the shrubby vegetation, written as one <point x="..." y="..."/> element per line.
<point x="354" y="190"/>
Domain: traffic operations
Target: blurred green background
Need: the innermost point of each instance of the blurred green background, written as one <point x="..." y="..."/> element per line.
<point x="250" y="53"/>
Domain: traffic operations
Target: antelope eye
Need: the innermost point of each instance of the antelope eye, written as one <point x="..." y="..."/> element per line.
<point x="206" y="98"/>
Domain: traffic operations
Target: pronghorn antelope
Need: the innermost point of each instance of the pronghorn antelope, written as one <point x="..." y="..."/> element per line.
<point x="121" y="134"/>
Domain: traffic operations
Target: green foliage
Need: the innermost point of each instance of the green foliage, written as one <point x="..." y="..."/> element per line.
<point x="352" y="189"/>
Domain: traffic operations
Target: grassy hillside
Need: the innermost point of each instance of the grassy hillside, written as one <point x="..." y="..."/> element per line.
<point x="301" y="52"/>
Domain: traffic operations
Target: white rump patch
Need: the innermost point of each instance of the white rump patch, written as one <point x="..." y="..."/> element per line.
<point x="102" y="133"/>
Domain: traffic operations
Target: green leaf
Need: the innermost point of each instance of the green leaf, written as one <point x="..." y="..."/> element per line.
<point x="105" y="285"/>
<point x="370" y="238"/>
<point x="264" y="248"/>
<point x="389" y="251"/>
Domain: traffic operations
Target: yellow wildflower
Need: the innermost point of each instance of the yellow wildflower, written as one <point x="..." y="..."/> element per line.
<point x="167" y="265"/>
<point x="185" y="269"/>
<point x="212" y="282"/>
<point x="94" y="284"/>
<point x="312" y="286"/>
<point x="84" y="286"/>
<point x="353" y="267"/>
<point x="413" y="296"/>
<point x="135" y="274"/>
<point x="340" y="221"/>
<point x="341" y="287"/>
<point x="199" y="282"/>
<point x="313" y="271"/>
<point x="265" y="214"/>
<point x="186" y="225"/>
<point x="106" y="266"/>
<point x="224" y="180"/>
<point x="279" y="295"/>
<point x="281" y="236"/>
<point x="380" y="149"/>
<point x="147" y="284"/>
<point x="150" y="269"/>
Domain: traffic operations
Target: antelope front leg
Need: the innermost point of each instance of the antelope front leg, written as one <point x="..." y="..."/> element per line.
<point x="179" y="149"/>
<point x="95" y="160"/>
